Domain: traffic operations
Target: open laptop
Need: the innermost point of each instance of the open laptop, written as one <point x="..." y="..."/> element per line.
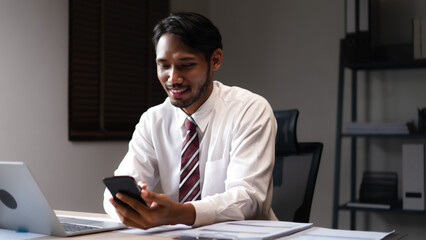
<point x="23" y="207"/>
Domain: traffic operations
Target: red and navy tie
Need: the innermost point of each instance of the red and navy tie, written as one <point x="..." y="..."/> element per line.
<point x="189" y="186"/>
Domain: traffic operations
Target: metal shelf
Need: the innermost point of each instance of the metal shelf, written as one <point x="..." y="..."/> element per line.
<point x="383" y="135"/>
<point x="392" y="210"/>
<point x="368" y="66"/>
<point x="388" y="65"/>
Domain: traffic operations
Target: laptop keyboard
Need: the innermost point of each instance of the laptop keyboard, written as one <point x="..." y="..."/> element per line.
<point x="72" y="228"/>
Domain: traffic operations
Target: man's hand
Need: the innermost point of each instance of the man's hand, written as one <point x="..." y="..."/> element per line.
<point x="161" y="210"/>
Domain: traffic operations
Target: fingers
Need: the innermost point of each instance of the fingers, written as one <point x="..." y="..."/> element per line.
<point x="151" y="196"/>
<point x="130" y="217"/>
<point x="142" y="184"/>
<point x="132" y="202"/>
<point x="144" y="217"/>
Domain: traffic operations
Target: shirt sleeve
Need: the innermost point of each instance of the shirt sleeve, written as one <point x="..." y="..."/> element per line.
<point x="248" y="184"/>
<point x="139" y="162"/>
<point x="109" y="209"/>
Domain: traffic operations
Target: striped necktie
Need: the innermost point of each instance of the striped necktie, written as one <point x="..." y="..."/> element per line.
<point x="189" y="187"/>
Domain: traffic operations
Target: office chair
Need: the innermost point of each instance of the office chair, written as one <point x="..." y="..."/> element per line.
<point x="295" y="171"/>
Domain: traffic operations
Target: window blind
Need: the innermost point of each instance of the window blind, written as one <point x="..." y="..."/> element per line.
<point x="112" y="75"/>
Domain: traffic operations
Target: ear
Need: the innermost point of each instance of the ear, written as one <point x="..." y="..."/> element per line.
<point x="216" y="59"/>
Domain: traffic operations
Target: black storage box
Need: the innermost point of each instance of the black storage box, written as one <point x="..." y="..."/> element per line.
<point x="379" y="187"/>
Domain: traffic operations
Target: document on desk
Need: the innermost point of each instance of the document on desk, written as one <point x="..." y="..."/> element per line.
<point x="165" y="230"/>
<point x="318" y="233"/>
<point x="247" y="230"/>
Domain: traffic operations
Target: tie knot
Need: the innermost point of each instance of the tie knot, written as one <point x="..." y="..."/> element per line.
<point x="190" y="124"/>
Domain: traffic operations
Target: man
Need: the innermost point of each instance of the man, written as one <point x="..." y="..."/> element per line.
<point x="231" y="138"/>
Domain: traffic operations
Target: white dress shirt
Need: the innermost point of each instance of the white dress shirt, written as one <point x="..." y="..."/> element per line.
<point x="237" y="131"/>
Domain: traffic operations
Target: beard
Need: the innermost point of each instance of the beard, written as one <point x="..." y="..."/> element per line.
<point x="197" y="95"/>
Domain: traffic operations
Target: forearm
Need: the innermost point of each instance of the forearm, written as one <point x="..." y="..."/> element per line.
<point x="182" y="214"/>
<point x="164" y="211"/>
<point x="234" y="204"/>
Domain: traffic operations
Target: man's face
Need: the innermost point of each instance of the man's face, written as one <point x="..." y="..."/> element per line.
<point x="184" y="73"/>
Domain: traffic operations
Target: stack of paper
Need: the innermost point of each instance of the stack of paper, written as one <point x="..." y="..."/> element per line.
<point x="258" y="230"/>
<point x="250" y="229"/>
<point x="317" y="233"/>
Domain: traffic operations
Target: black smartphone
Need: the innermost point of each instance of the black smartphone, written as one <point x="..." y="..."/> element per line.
<point x="126" y="185"/>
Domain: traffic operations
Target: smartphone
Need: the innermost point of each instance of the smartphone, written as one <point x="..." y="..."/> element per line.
<point x="126" y="185"/>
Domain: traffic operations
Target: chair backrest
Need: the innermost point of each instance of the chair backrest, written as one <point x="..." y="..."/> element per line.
<point x="286" y="140"/>
<point x="295" y="172"/>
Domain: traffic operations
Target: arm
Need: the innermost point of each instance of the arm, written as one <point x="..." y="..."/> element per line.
<point x="139" y="162"/>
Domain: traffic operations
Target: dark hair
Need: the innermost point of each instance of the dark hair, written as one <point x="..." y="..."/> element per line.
<point x="193" y="29"/>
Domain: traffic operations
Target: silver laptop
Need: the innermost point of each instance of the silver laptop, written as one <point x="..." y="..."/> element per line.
<point x="23" y="207"/>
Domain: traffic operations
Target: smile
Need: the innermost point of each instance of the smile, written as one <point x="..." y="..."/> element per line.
<point x="177" y="92"/>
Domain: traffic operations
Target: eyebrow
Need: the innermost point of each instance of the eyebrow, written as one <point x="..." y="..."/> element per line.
<point x="180" y="59"/>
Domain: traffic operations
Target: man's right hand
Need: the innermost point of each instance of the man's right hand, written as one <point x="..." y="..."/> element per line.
<point x="161" y="211"/>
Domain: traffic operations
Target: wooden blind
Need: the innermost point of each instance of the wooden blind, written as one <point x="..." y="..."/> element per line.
<point x="112" y="75"/>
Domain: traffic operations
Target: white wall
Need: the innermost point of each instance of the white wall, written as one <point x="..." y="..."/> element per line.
<point x="284" y="50"/>
<point x="34" y="107"/>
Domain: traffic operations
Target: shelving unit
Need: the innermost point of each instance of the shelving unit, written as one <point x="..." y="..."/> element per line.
<point x="354" y="68"/>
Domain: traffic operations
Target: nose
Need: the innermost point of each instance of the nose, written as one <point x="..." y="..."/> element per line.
<point x="174" y="76"/>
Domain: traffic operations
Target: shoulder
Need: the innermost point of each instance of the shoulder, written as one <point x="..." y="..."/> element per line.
<point x="239" y="97"/>
<point x="157" y="114"/>
<point x="244" y="111"/>
<point x="242" y="107"/>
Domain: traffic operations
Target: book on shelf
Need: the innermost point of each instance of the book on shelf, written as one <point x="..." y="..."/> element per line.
<point x="376" y="128"/>
<point x="419" y="38"/>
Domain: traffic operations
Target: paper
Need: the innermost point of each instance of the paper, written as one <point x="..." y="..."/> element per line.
<point x="318" y="233"/>
<point x="165" y="230"/>
<point x="14" y="235"/>
<point x="250" y="229"/>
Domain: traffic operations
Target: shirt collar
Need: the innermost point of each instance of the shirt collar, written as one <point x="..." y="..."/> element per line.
<point x="201" y="116"/>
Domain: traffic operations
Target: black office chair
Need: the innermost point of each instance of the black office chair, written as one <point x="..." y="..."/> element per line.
<point x="295" y="171"/>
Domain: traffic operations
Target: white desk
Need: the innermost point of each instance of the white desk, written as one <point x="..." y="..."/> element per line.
<point x="103" y="235"/>
<point x="133" y="236"/>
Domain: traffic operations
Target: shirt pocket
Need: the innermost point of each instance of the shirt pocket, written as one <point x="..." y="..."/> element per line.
<point x="214" y="177"/>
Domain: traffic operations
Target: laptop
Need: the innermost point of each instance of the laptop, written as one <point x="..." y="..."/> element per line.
<point x="24" y="208"/>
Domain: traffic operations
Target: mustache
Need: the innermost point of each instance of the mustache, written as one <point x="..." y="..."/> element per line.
<point x="169" y="85"/>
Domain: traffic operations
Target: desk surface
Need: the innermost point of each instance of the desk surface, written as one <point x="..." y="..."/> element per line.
<point x="130" y="236"/>
<point x="103" y="235"/>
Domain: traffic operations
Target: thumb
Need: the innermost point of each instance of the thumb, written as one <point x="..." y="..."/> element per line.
<point x="148" y="195"/>
<point x="155" y="199"/>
